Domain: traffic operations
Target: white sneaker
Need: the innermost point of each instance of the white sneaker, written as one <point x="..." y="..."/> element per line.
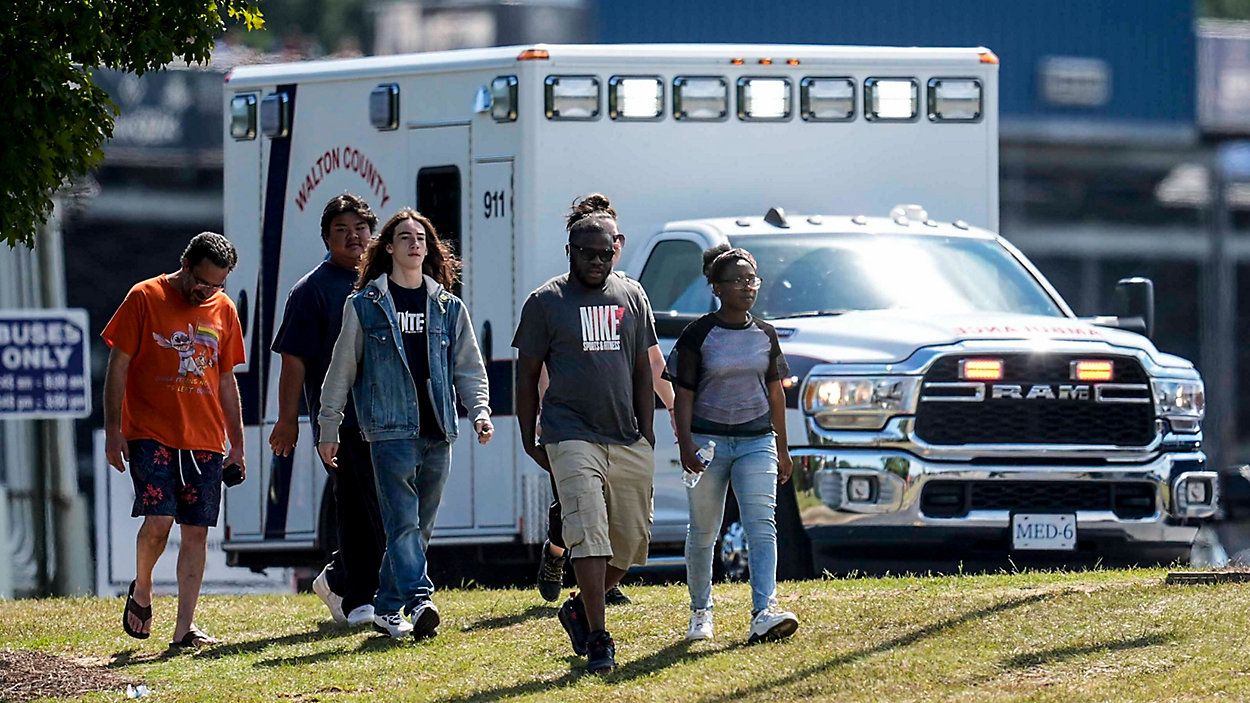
<point x="700" y="625"/>
<point x="425" y="620"/>
<point x="333" y="601"/>
<point x="360" y="615"/>
<point x="392" y="624"/>
<point x="772" y="624"/>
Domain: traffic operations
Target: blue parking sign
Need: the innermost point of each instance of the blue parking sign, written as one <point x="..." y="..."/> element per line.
<point x="45" y="364"/>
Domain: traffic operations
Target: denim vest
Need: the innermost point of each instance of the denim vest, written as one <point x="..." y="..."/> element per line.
<point x="384" y="392"/>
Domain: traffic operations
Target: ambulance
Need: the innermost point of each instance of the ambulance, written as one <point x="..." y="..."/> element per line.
<point x="941" y="389"/>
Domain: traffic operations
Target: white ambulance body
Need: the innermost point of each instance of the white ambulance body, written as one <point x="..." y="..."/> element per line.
<point x="494" y="145"/>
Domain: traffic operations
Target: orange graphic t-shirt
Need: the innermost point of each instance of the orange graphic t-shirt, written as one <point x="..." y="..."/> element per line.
<point x="178" y="350"/>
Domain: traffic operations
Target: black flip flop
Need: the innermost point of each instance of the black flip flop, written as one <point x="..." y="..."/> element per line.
<point x="143" y="612"/>
<point x="194" y="639"/>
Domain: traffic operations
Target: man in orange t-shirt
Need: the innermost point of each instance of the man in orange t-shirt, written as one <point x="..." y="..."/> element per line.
<point x="170" y="403"/>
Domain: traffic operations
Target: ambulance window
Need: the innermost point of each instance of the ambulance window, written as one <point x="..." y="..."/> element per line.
<point x="673" y="279"/>
<point x="438" y="198"/>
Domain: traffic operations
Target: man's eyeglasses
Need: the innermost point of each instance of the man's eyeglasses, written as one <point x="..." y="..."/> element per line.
<point x="743" y="282"/>
<point x="589" y="254"/>
<point x="207" y="284"/>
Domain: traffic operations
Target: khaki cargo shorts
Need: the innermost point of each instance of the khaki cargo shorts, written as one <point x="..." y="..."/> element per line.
<point x="605" y="499"/>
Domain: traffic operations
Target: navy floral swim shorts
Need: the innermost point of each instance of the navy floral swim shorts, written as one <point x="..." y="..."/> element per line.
<point x="180" y="483"/>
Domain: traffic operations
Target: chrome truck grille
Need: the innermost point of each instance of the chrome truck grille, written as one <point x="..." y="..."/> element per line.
<point x="1036" y="402"/>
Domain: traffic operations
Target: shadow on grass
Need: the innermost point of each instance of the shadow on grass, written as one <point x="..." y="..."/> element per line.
<point x="380" y="643"/>
<point x="502" y="621"/>
<point x="1058" y="654"/>
<point x="675" y="653"/>
<point x="898" y="642"/>
<point x="324" y="631"/>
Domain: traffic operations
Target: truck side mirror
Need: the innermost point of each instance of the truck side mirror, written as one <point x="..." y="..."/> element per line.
<point x="1135" y="304"/>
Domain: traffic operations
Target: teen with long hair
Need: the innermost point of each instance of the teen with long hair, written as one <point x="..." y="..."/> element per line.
<point x="407" y="353"/>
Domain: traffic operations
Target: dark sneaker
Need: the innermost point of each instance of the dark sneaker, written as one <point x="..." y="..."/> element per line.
<point x="614" y="597"/>
<point x="601" y="653"/>
<point x="550" y="574"/>
<point x="573" y="617"/>
<point x="425" y="620"/>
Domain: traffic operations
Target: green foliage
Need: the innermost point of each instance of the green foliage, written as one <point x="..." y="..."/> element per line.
<point x="55" y="118"/>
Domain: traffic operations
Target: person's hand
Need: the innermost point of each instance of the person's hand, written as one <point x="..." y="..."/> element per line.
<point x="284" y="436"/>
<point x="116" y="452"/>
<point x="785" y="465"/>
<point x="539" y="455"/>
<point x="328" y="451"/>
<point x="235" y="456"/>
<point x="689" y="460"/>
<point x="485" y="430"/>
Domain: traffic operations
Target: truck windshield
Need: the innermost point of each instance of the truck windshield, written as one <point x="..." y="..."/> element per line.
<point x="833" y="273"/>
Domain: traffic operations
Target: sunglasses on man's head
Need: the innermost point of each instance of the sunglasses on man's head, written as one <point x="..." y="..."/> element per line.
<point x="591" y="254"/>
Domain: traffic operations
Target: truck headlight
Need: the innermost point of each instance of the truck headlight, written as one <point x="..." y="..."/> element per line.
<point x="859" y="402"/>
<point x="1181" y="403"/>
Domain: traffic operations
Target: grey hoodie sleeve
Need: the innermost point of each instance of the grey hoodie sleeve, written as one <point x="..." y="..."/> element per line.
<point x="344" y="363"/>
<point x="470" y="376"/>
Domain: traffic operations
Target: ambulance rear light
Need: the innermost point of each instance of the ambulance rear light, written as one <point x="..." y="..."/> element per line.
<point x="275" y="115"/>
<point x="954" y="99"/>
<point x="384" y="106"/>
<point x="891" y="99"/>
<point x="635" y="98"/>
<point x="700" y="98"/>
<point x="243" y="117"/>
<point x="503" y="97"/>
<point x="533" y="55"/>
<point x="827" y="99"/>
<point x="764" y="99"/>
<point x="572" y="97"/>
<point x="988" y="56"/>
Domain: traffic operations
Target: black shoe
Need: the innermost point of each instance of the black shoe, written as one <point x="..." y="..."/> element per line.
<point x="615" y="597"/>
<point x="573" y="617"/>
<point x="425" y="620"/>
<point x="601" y="657"/>
<point x="550" y="574"/>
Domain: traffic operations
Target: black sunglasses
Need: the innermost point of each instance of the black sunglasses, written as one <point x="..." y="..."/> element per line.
<point x="590" y="254"/>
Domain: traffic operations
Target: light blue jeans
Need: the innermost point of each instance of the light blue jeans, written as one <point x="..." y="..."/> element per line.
<point x="410" y="475"/>
<point x="750" y="463"/>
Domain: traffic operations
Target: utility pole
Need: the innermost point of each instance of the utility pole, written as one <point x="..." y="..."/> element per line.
<point x="1219" y="307"/>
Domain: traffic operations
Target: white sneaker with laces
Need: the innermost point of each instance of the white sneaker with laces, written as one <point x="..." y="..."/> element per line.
<point x="700" y="625"/>
<point x="360" y="615"/>
<point x="333" y="601"/>
<point x="392" y="624"/>
<point x="772" y="624"/>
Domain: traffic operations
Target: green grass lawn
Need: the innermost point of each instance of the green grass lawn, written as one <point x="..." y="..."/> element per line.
<point x="1111" y="635"/>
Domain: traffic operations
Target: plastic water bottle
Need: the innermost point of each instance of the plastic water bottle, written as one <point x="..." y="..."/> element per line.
<point x="704" y="455"/>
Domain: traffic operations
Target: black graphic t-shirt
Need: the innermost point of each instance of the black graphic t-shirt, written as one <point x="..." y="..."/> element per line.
<point x="410" y="308"/>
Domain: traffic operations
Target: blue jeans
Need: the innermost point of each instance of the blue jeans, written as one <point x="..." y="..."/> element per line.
<point x="410" y="474"/>
<point x="751" y="464"/>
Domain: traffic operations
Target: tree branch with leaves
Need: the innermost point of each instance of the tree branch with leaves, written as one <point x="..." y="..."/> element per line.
<point x="55" y="118"/>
